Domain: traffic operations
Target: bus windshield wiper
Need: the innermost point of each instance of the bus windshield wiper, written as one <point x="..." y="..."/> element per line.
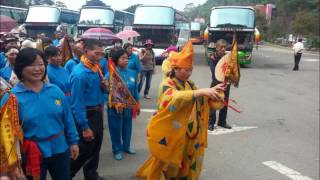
<point x="231" y="25"/>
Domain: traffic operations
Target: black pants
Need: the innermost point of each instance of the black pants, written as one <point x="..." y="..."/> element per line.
<point x="148" y="76"/>
<point x="89" y="150"/>
<point x="223" y="112"/>
<point x="58" y="166"/>
<point x="297" y="58"/>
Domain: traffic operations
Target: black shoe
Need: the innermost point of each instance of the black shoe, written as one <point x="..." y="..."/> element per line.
<point x="101" y="178"/>
<point x="211" y="127"/>
<point x="227" y="126"/>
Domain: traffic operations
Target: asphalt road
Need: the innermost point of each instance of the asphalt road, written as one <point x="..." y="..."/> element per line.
<point x="275" y="137"/>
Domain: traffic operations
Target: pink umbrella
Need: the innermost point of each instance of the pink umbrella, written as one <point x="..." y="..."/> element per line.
<point x="100" y="34"/>
<point x="127" y="34"/>
<point x="6" y="23"/>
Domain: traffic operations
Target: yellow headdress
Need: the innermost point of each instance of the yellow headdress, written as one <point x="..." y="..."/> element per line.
<point x="183" y="59"/>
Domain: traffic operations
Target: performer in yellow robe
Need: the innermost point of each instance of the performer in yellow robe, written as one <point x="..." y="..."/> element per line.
<point x="10" y="135"/>
<point x="177" y="133"/>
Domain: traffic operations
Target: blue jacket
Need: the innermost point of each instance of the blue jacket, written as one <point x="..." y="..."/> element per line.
<point x="85" y="91"/>
<point x="134" y="63"/>
<point x="56" y="42"/>
<point x="104" y="65"/>
<point x="45" y="114"/>
<point x="59" y="76"/>
<point x="71" y="64"/>
<point x="3" y="60"/>
<point x="5" y="72"/>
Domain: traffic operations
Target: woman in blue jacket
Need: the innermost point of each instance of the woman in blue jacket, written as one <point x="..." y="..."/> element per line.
<point x="56" y="73"/>
<point x="50" y="136"/>
<point x="120" y="120"/>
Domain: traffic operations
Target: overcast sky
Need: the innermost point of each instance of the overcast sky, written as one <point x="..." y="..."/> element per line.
<point x="123" y="4"/>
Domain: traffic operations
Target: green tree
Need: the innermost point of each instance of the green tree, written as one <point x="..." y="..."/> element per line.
<point x="15" y="3"/>
<point x="132" y="8"/>
<point x="95" y="3"/>
<point x="41" y="2"/>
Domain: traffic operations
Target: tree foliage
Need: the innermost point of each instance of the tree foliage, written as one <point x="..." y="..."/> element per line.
<point x="95" y="3"/>
<point x="132" y="8"/>
<point x="41" y="2"/>
<point x="298" y="17"/>
<point x="14" y="3"/>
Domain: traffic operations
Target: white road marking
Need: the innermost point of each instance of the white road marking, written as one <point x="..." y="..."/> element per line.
<point x="290" y="173"/>
<point x="311" y="60"/>
<point x="219" y="130"/>
<point x="148" y="110"/>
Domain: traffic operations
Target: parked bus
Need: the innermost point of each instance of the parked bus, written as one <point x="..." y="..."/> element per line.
<point x="227" y="20"/>
<point x="162" y="24"/>
<point x="196" y="33"/>
<point x="105" y="17"/>
<point x="18" y="14"/>
<point x="48" y="19"/>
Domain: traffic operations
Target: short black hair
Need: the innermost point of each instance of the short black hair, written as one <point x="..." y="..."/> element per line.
<point x="300" y="40"/>
<point x="126" y="45"/>
<point x="89" y="44"/>
<point x="51" y="51"/>
<point x="116" y="53"/>
<point x="25" y="58"/>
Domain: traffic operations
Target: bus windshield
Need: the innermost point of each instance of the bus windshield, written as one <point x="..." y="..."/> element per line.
<point x="43" y="14"/>
<point x="96" y="16"/>
<point x="195" y="26"/>
<point x="154" y="16"/>
<point x="226" y="17"/>
<point x="182" y="25"/>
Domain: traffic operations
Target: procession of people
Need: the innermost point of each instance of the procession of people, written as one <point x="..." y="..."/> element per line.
<point x="57" y="118"/>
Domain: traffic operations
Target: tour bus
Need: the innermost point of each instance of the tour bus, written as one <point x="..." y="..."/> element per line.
<point x="159" y="23"/>
<point x="105" y="17"/>
<point x="18" y="14"/>
<point x="196" y="33"/>
<point x="227" y="20"/>
<point x="48" y="19"/>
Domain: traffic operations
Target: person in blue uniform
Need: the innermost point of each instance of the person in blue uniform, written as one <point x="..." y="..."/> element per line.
<point x="50" y="134"/>
<point x="11" y="55"/>
<point x="120" y="120"/>
<point x="77" y="53"/>
<point x="87" y="93"/>
<point x="58" y="36"/>
<point x="10" y="42"/>
<point x="133" y="59"/>
<point x="56" y="73"/>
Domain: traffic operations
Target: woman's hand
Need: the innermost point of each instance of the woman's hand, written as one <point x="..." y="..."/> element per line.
<point x="212" y="93"/>
<point x="74" y="151"/>
<point x="104" y="84"/>
<point x="87" y="134"/>
<point x="17" y="174"/>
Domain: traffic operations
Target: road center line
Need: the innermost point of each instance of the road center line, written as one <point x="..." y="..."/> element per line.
<point x="219" y="131"/>
<point x="311" y="60"/>
<point x="290" y="173"/>
<point x="148" y="110"/>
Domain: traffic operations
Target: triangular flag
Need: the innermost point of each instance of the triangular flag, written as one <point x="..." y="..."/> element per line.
<point x="66" y="51"/>
<point x="193" y="166"/>
<point x="119" y="94"/>
<point x="163" y="141"/>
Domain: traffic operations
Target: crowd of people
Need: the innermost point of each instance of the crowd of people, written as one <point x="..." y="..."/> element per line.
<point x="59" y="106"/>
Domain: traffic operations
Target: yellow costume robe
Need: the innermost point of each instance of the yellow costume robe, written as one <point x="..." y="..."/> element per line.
<point x="176" y="134"/>
<point x="10" y="136"/>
